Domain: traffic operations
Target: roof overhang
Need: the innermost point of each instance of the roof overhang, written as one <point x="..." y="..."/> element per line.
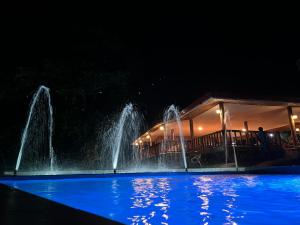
<point x="200" y="106"/>
<point x="207" y="102"/>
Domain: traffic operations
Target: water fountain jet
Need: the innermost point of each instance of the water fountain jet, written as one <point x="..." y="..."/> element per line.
<point x="119" y="139"/>
<point x="41" y="90"/>
<point x="228" y="125"/>
<point x="172" y="114"/>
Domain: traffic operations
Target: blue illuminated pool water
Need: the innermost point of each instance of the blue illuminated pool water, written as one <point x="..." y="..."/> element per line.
<point x="178" y="199"/>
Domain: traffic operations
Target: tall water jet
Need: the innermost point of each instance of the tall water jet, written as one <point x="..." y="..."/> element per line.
<point x="227" y="120"/>
<point x="172" y="115"/>
<point x="39" y="117"/>
<point x="120" y="138"/>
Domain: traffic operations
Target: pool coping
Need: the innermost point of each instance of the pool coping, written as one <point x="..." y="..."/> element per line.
<point x="15" y="212"/>
<point x="201" y="171"/>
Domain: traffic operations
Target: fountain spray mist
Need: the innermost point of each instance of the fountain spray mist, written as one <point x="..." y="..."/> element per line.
<point x="172" y="113"/>
<point x="41" y="90"/>
<point x="228" y="126"/>
<point x="127" y="111"/>
<point x="119" y="139"/>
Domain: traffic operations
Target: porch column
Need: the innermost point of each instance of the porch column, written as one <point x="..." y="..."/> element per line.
<point x="192" y="135"/>
<point x="292" y="125"/>
<point x="150" y="140"/>
<point x="246" y="126"/>
<point x="173" y="134"/>
<point x="222" y="116"/>
<point x="247" y="129"/>
<point x="223" y="127"/>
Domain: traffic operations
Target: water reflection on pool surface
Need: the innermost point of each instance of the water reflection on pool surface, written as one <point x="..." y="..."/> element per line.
<point x="178" y="199"/>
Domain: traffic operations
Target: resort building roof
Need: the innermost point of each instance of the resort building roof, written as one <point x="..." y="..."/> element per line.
<point x="207" y="115"/>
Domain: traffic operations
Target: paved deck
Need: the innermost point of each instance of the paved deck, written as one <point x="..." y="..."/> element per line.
<point x="20" y="208"/>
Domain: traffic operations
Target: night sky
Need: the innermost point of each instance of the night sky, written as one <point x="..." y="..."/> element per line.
<point x="101" y="61"/>
<point x="169" y="59"/>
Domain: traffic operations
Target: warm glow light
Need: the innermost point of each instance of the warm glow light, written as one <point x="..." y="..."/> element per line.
<point x="161" y="128"/>
<point x="244" y="130"/>
<point x="271" y="135"/>
<point x="297" y="129"/>
<point x="141" y="141"/>
<point x="294" y="117"/>
<point x="200" y="128"/>
<point x="148" y="136"/>
<point x="218" y="111"/>
<point x="136" y="143"/>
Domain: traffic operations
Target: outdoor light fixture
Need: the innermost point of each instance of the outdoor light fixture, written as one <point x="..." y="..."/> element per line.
<point x="244" y="130"/>
<point x="294" y="117"/>
<point x="271" y="135"/>
<point x="161" y="128"/>
<point x="141" y="141"/>
<point x="148" y="136"/>
<point x="218" y="111"/>
<point x="136" y="144"/>
<point x="200" y="128"/>
<point x="297" y="129"/>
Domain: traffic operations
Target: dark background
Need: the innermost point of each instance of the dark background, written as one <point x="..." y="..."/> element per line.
<point x="95" y="62"/>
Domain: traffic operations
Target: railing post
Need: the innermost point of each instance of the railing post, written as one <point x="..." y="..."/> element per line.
<point x="222" y="116"/>
<point x="191" y="129"/>
<point x="292" y="125"/>
<point x="223" y="126"/>
<point x="247" y="130"/>
<point x="279" y="138"/>
<point x="192" y="135"/>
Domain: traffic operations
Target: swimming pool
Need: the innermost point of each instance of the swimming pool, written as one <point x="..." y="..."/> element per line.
<point x="177" y="198"/>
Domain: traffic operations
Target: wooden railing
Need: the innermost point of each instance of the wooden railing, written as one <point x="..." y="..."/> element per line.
<point x="233" y="137"/>
<point x="206" y="143"/>
<point x="211" y="142"/>
<point x="163" y="147"/>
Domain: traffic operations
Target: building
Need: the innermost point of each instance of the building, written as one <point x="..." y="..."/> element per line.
<point x="217" y="124"/>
